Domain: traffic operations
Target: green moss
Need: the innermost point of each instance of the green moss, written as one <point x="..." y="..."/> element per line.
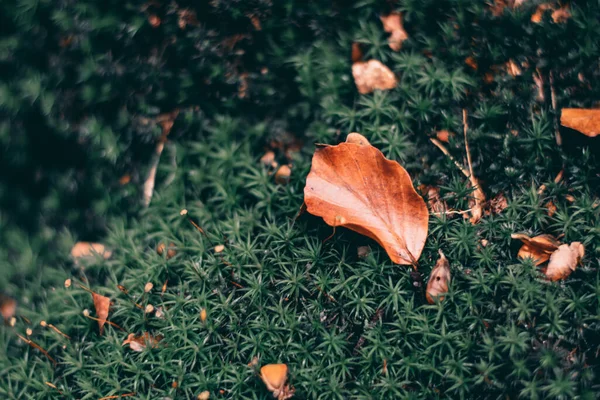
<point x="278" y="291"/>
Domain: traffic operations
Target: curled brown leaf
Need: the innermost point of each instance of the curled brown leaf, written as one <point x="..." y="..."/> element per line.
<point x="439" y="280"/>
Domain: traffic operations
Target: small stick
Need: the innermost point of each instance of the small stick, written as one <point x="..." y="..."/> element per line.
<point x="107" y="322"/>
<point x="469" y="163"/>
<point x="53" y="387"/>
<point x="55" y="329"/>
<point x="553" y="102"/>
<point x="36" y="346"/>
<point x="446" y="152"/>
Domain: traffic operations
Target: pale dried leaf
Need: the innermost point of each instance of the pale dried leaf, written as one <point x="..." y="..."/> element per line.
<point x="8" y="307"/>
<point x="393" y="24"/>
<point x="372" y="75"/>
<point x="275" y="376"/>
<point x="439" y="280"/>
<point x="139" y="343"/>
<point x="564" y="261"/>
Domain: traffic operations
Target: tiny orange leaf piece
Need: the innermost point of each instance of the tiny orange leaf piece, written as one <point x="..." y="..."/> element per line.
<point x="586" y="121"/>
<point x="139" y="343"/>
<point x="101" y="304"/>
<point x="356" y="187"/>
<point x="274" y="376"/>
<point x="282" y="176"/>
<point x="438" y="280"/>
<point x="393" y="24"/>
<point x="564" y="261"/>
<point x="538" y="248"/>
<point x="372" y="75"/>
<point x="8" y="307"/>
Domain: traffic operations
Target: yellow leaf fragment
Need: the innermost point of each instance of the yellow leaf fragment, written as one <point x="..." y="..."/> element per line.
<point x="275" y="376"/>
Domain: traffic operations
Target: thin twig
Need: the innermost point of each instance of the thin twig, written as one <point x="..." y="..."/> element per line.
<point x="467" y="149"/>
<point x="36" y="346"/>
<point x="446" y="152"/>
<point x="553" y="102"/>
<point x="118" y="396"/>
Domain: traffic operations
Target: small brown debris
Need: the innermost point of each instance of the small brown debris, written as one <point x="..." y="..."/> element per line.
<point x="125" y="179"/>
<point x="357" y="138"/>
<point x="268" y="158"/>
<point x="438" y="280"/>
<point x="154" y="20"/>
<point x="559" y="14"/>
<point x="149" y="309"/>
<point x="254" y="362"/>
<point x="564" y="261"/>
<point x="538" y="248"/>
<point x="171" y="252"/>
<point x="219" y="248"/>
<point x="470" y="61"/>
<point x="498" y="203"/>
<point x="28" y="332"/>
<point x="513" y="68"/>
<point x="186" y="17"/>
<point x="88" y="249"/>
<point x="551" y="208"/>
<point x="67" y="283"/>
<point x="183" y="212"/>
<point x="372" y="75"/>
<point x="392" y="24"/>
<point x="148" y="287"/>
<point x="8" y="307"/>
<point x="139" y="343"/>
<point x="282" y="176"/>
<point x="363" y="251"/>
<point x="586" y="121"/>
<point x="275" y="376"/>
<point x="204" y="395"/>
<point x="444" y="135"/>
<point x="203" y="315"/>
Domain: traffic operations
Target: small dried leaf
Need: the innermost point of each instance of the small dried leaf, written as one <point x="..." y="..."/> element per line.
<point x="444" y="135"/>
<point x="538" y="248"/>
<point x="435" y="202"/>
<point x="559" y="14"/>
<point x="139" y="343"/>
<point x="476" y="202"/>
<point x="372" y="75"/>
<point x="586" y="121"/>
<point x="498" y="203"/>
<point x="8" y="307"/>
<point x="564" y="261"/>
<point x="88" y="249"/>
<point x="470" y="61"/>
<point x="203" y="315"/>
<point x="356" y="187"/>
<point x="512" y="68"/>
<point x="204" y="395"/>
<point x="551" y="208"/>
<point x="438" y="280"/>
<point x="274" y="376"/>
<point x="393" y="24"/>
<point x="268" y="158"/>
<point x="357" y="138"/>
<point x="363" y="251"/>
<point x="101" y="304"/>
<point x="219" y="248"/>
<point x="282" y="176"/>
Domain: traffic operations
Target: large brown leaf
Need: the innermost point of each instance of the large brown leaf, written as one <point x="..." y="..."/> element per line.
<point x="586" y="121"/>
<point x="355" y="186"/>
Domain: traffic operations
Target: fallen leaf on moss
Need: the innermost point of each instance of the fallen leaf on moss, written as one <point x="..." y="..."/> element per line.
<point x="268" y="159"/>
<point x="372" y="75"/>
<point x="551" y="208"/>
<point x="513" y="68"/>
<point x="436" y="204"/>
<point x="498" y="203"/>
<point x="88" y="249"/>
<point x="274" y="376"/>
<point x="586" y="121"/>
<point x="439" y="279"/>
<point x="538" y="248"/>
<point x="564" y="261"/>
<point x="444" y="135"/>
<point x="101" y="304"/>
<point x="8" y="307"/>
<point x="204" y="395"/>
<point x="139" y="343"/>
<point x="393" y="24"/>
<point x="356" y="187"/>
<point x="282" y="176"/>
<point x="470" y="61"/>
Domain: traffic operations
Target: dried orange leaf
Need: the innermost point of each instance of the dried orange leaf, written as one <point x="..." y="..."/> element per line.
<point x="538" y="248"/>
<point x="586" y="121"/>
<point x="513" y="68"/>
<point x="476" y="201"/>
<point x="444" y="135"/>
<point x="87" y="249"/>
<point x="356" y="187"/>
<point x="274" y="376"/>
<point x="372" y="75"/>
<point x="498" y="204"/>
<point x="139" y="343"/>
<point x="393" y="24"/>
<point x="559" y="14"/>
<point x="438" y="280"/>
<point x="171" y="252"/>
<point x="564" y="261"/>
<point x="101" y="304"/>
